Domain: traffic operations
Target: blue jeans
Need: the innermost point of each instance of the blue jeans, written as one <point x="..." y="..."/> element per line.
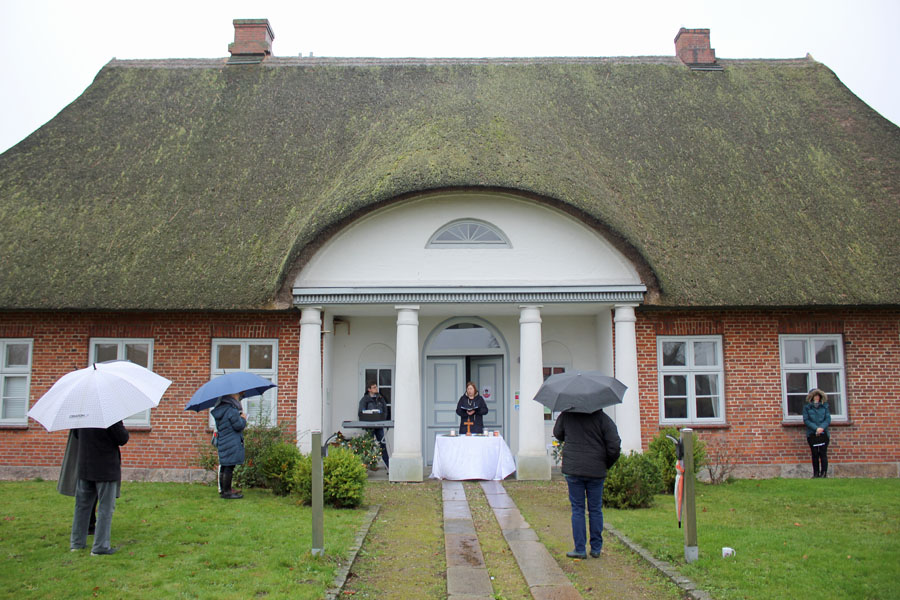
<point x="86" y="492"/>
<point x="590" y="488"/>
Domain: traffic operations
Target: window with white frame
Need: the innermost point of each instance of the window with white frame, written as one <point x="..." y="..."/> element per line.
<point x="15" y="380"/>
<point x="812" y="361"/>
<point x="383" y="375"/>
<point x="257" y="356"/>
<point x="138" y="351"/>
<point x="548" y="371"/>
<point x="691" y="379"/>
<point x="468" y="233"/>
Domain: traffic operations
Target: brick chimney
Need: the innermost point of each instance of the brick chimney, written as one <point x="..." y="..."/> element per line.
<point x="692" y="47"/>
<point x="252" y="41"/>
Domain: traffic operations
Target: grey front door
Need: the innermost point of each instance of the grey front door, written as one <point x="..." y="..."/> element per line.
<point x="445" y="381"/>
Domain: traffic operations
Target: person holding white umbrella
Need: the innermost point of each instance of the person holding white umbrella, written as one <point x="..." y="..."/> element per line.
<point x="99" y="477"/>
<point x="92" y="402"/>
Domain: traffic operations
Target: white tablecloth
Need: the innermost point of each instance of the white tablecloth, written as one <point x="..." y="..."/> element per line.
<point x="471" y="457"/>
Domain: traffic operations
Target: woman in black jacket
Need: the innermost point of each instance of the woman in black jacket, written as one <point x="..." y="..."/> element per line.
<point x="471" y="407"/>
<point x="592" y="446"/>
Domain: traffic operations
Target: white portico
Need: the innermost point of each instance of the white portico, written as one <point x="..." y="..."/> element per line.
<point x="431" y="292"/>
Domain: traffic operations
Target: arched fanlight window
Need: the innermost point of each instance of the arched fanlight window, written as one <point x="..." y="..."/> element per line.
<point x="468" y="233"/>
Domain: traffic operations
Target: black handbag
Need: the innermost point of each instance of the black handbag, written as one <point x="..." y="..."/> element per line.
<point x="818" y="439"/>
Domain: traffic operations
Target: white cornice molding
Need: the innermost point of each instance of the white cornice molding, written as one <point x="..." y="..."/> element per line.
<point x="469" y="295"/>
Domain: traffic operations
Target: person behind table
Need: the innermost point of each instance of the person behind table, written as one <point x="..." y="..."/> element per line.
<point x="592" y="447"/>
<point x="817" y="418"/>
<point x="99" y="477"/>
<point x="230" y="424"/>
<point x="471" y="407"/>
<point x="372" y="400"/>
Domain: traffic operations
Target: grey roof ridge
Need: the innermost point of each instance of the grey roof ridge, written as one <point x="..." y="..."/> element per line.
<point x="301" y="61"/>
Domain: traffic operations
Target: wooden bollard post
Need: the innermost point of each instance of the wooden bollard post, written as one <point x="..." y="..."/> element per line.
<point x="688" y="506"/>
<point x="318" y="511"/>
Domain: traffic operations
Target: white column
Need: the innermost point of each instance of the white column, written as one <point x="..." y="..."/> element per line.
<point x="605" y="362"/>
<point x="406" y="462"/>
<point x="532" y="461"/>
<point x="628" y="414"/>
<point x="309" y="377"/>
<point x="327" y="370"/>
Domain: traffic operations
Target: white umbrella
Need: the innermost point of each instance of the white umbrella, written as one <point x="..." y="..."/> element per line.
<point x="98" y="396"/>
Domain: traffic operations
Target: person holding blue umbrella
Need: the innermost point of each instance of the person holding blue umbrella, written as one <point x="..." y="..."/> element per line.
<point x="224" y="394"/>
<point x="230" y="424"/>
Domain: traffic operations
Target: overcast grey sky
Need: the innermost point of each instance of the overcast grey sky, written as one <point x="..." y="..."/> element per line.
<point x="52" y="49"/>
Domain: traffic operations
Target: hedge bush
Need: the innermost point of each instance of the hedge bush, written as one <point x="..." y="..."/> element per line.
<point x="343" y="479"/>
<point x="632" y="482"/>
<point x="277" y="463"/>
<point x="662" y="450"/>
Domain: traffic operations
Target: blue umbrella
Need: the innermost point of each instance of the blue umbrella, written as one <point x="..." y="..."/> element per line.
<point x="238" y="382"/>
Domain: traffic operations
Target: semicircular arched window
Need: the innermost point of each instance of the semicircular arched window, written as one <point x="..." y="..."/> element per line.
<point x="468" y="233"/>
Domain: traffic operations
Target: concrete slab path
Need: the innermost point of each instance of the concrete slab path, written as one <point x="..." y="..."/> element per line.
<point x="467" y="575"/>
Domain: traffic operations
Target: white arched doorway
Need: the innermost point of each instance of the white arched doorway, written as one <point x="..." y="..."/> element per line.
<point x="459" y="350"/>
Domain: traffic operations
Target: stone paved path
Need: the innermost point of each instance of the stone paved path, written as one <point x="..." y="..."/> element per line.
<point x="467" y="575"/>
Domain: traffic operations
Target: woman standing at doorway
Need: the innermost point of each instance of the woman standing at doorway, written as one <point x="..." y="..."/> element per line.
<point x="471" y="408"/>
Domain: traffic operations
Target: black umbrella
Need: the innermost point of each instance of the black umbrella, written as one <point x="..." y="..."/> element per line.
<point x="580" y="391"/>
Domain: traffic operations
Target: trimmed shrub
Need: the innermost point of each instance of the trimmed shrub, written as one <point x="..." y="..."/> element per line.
<point x="632" y="482"/>
<point x="662" y="450"/>
<point x="343" y="479"/>
<point x="277" y="463"/>
<point x="257" y="441"/>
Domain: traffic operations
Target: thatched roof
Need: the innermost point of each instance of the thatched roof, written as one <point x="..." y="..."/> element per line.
<point x="189" y="184"/>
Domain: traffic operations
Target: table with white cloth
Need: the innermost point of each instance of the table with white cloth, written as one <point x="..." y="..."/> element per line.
<point x="471" y="457"/>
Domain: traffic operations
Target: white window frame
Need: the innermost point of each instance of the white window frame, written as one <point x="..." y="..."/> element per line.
<point x="141" y="419"/>
<point x="690" y="370"/>
<point x="379" y="367"/>
<point x="837" y="402"/>
<point x="549" y="415"/>
<point x="15" y="371"/>
<point x="253" y="407"/>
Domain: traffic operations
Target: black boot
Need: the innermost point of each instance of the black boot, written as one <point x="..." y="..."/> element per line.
<point x="227" y="493"/>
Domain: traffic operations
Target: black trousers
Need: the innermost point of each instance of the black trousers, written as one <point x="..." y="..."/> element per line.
<point x="379" y="437"/>
<point x="819" y="458"/>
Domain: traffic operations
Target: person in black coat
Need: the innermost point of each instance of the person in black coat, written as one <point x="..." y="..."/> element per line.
<point x="592" y="446"/>
<point x="375" y="403"/>
<point x="99" y="477"/>
<point x="471" y="407"/>
<point x="230" y="424"/>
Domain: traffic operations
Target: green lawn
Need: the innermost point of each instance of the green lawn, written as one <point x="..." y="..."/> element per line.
<point x="816" y="538"/>
<point x="795" y="538"/>
<point x="175" y="541"/>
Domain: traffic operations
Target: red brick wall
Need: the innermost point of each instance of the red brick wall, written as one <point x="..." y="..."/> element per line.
<point x="753" y="409"/>
<point x="181" y="352"/>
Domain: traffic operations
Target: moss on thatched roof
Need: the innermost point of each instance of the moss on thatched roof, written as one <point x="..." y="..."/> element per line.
<point x="194" y="185"/>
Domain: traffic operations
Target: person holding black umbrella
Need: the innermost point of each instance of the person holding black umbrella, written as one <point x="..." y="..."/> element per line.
<point x="592" y="447"/>
<point x="230" y="424"/>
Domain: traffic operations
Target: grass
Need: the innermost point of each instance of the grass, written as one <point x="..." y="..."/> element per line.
<point x="175" y="541"/>
<point x="833" y="538"/>
<point x="795" y="538"/>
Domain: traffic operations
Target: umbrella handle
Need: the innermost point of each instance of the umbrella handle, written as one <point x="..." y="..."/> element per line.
<point x="679" y="447"/>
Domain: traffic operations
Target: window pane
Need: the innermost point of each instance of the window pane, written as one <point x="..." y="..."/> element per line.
<point x="104" y="352"/>
<point x="676" y="408"/>
<point x="705" y="354"/>
<point x="141" y="418"/>
<point x="797" y="387"/>
<point x="228" y="356"/>
<point x="708" y="408"/>
<point x="371" y="376"/>
<point x="384" y="377"/>
<point x="706" y="385"/>
<point x="675" y="385"/>
<point x="830" y="383"/>
<point x="17" y="355"/>
<point x="260" y="356"/>
<point x="465" y="336"/>
<point x="795" y="352"/>
<point x="14" y="397"/>
<point x="826" y="352"/>
<point x="673" y="354"/>
<point x="139" y="354"/>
